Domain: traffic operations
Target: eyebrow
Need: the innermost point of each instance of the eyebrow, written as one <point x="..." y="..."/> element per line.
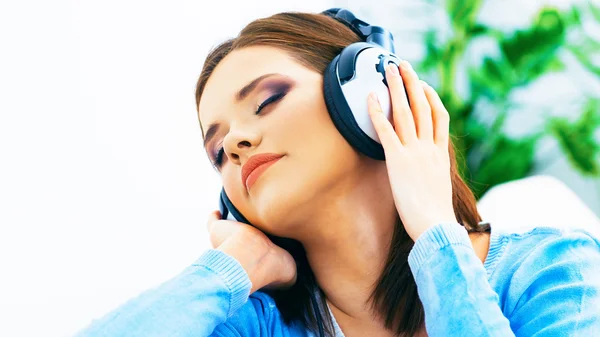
<point x="239" y="96"/>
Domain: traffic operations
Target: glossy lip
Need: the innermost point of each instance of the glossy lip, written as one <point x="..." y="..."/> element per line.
<point x="255" y="162"/>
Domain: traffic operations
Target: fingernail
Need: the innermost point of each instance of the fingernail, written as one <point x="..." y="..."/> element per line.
<point x="393" y="69"/>
<point x="372" y="97"/>
<point x="405" y="64"/>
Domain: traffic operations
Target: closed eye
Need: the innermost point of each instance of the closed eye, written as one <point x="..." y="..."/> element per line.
<point x="274" y="98"/>
<point x="270" y="100"/>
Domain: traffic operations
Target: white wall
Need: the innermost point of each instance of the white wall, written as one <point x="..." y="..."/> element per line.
<point x="104" y="184"/>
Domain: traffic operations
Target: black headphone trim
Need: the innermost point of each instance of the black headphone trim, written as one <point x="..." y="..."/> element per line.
<point x="347" y="124"/>
<point x="347" y="60"/>
<point x="367" y="32"/>
<point x="347" y="18"/>
<point x="226" y="206"/>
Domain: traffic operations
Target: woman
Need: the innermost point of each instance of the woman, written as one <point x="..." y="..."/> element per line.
<point x="371" y="248"/>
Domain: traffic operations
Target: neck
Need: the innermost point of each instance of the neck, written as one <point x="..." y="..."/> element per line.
<point x="348" y="252"/>
<point x="354" y="236"/>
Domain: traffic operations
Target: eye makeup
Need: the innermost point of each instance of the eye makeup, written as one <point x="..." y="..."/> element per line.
<point x="271" y="90"/>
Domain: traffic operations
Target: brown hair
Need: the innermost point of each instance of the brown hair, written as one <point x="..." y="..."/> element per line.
<point x="314" y="40"/>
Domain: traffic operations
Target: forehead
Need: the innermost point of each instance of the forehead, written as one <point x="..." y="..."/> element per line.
<point x="236" y="70"/>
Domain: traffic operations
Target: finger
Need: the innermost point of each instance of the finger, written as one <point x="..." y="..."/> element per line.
<point x="212" y="217"/>
<point x="215" y="229"/>
<point x="403" y="119"/>
<point x="221" y="230"/>
<point x="419" y="104"/>
<point x="387" y="135"/>
<point x="440" y="116"/>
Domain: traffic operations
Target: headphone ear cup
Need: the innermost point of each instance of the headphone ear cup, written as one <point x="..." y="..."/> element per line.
<point x="228" y="210"/>
<point x="342" y="115"/>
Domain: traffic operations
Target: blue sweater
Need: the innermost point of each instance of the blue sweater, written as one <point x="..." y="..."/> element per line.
<point x="545" y="282"/>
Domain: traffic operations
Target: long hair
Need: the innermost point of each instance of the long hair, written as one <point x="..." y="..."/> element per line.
<point x="314" y="40"/>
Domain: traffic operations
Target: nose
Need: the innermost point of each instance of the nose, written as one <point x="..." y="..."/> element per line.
<point x="240" y="143"/>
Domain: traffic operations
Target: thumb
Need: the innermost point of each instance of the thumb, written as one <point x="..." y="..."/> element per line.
<point x="219" y="230"/>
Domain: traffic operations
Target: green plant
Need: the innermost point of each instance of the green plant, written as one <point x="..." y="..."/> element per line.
<point x="490" y="156"/>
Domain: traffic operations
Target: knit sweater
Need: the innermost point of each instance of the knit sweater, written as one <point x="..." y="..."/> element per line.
<point x="544" y="282"/>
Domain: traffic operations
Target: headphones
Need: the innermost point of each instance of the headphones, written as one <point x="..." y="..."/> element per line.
<point x="358" y="70"/>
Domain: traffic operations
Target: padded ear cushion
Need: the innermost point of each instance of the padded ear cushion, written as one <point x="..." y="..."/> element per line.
<point x="342" y="116"/>
<point x="228" y="210"/>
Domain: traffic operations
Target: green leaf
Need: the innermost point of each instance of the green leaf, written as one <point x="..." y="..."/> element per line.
<point x="572" y="17"/>
<point x="475" y="131"/>
<point x="583" y="55"/>
<point x="494" y="79"/>
<point x="525" y="55"/>
<point x="477" y="30"/>
<point x="577" y="139"/>
<point x="510" y="160"/>
<point x="555" y="65"/>
<point x="530" y="52"/>
<point x="433" y="53"/>
<point x="462" y="13"/>
<point x="594" y="10"/>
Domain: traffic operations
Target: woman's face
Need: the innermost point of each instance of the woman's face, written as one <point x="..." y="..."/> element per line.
<point x="317" y="163"/>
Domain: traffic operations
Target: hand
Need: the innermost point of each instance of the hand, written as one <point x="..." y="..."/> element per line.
<point x="416" y="150"/>
<point x="267" y="264"/>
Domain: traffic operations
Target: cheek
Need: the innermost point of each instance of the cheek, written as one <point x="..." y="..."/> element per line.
<point x="308" y="118"/>
<point x="318" y="149"/>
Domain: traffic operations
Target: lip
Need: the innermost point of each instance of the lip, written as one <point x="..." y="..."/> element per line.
<point x="256" y="165"/>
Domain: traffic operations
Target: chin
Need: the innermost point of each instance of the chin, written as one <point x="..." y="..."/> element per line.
<point x="275" y="209"/>
<point x="287" y="196"/>
<point x="280" y="202"/>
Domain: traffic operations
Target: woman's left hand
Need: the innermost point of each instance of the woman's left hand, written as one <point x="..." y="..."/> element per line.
<point x="416" y="150"/>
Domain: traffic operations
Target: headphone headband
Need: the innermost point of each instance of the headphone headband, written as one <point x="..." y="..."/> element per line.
<point x="372" y="34"/>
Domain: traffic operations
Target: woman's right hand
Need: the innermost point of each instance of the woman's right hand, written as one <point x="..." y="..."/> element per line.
<point x="267" y="264"/>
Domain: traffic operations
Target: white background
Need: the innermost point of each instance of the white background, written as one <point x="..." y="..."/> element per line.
<point x="104" y="184"/>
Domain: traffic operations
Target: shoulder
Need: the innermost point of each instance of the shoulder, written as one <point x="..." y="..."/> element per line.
<point x="544" y="240"/>
<point x="259" y="316"/>
<point x="540" y="246"/>
<point x="550" y="263"/>
<point x="260" y="309"/>
<point x="264" y="303"/>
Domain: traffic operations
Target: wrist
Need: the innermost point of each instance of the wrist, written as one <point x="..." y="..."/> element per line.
<point x="416" y="234"/>
<point x="250" y="256"/>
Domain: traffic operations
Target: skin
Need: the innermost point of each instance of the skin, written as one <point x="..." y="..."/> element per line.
<point x="335" y="201"/>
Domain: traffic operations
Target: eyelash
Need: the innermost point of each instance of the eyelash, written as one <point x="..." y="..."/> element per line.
<point x="219" y="158"/>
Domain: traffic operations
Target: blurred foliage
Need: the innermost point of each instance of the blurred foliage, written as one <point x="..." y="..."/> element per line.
<point x="490" y="157"/>
<point x="578" y="138"/>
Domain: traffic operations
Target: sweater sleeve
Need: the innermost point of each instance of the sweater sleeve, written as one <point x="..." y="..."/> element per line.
<point x="556" y="289"/>
<point x="556" y="294"/>
<point x="193" y="303"/>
